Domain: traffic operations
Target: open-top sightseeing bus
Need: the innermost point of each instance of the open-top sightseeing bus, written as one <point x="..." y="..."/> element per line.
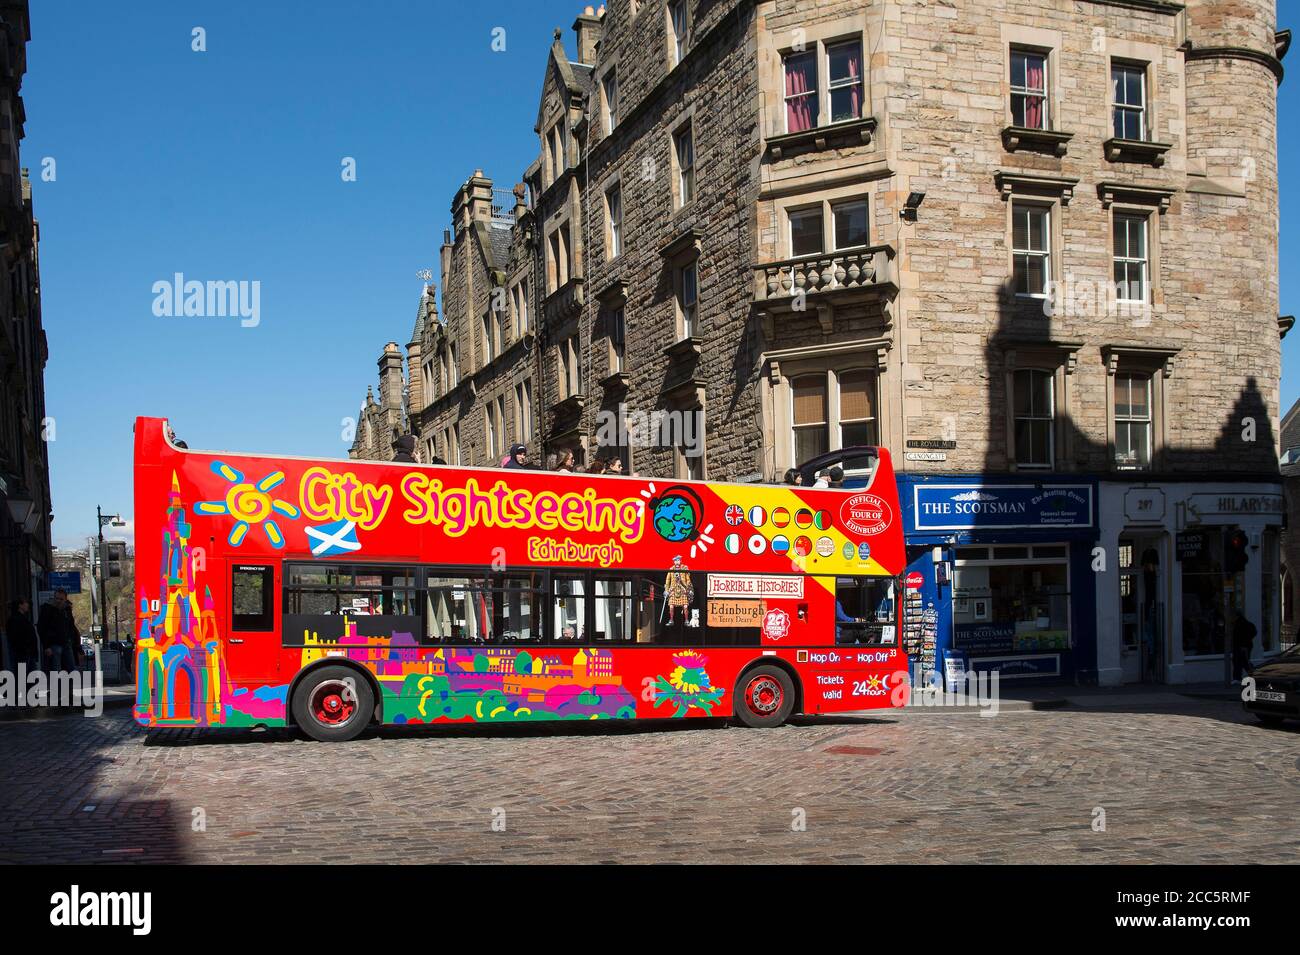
<point x="331" y="595"/>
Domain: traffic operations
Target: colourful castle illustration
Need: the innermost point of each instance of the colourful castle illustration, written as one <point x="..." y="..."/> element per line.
<point x="181" y="670"/>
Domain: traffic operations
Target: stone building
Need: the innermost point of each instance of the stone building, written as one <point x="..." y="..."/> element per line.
<point x="1028" y="247"/>
<point x="25" y="547"/>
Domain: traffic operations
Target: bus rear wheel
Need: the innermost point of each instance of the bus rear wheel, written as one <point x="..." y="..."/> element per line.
<point x="764" y="697"/>
<point x="333" y="704"/>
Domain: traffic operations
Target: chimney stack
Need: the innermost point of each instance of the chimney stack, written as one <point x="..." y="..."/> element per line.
<point x="589" y="29"/>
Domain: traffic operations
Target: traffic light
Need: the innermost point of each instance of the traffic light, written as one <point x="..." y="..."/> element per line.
<point x="114" y="554"/>
<point x="1235" y="553"/>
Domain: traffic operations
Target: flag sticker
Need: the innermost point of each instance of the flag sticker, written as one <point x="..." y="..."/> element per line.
<point x="732" y="543"/>
<point x="780" y="544"/>
<point x="757" y="516"/>
<point x="781" y="517"/>
<point x="757" y="544"/>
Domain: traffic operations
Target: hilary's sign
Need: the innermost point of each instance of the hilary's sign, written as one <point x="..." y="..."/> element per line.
<point x="946" y="507"/>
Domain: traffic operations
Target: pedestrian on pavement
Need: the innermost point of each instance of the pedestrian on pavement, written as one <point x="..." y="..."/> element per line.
<point x="56" y="628"/>
<point x="1243" y="642"/>
<point x="22" y="635"/>
<point x="518" y="457"/>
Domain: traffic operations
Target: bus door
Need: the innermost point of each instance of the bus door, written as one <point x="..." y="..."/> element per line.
<point x="253" y="643"/>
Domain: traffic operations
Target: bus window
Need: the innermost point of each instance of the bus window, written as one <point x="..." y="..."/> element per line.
<point x="517" y="598"/>
<point x="251" y="599"/>
<point x="613" y="602"/>
<point x="570" y="609"/>
<point x="451" y="615"/>
<point x="865" y="611"/>
<point x="668" y="610"/>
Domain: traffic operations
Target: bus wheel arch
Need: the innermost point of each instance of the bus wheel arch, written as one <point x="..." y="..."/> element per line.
<point x="311" y="673"/>
<point x="770" y="665"/>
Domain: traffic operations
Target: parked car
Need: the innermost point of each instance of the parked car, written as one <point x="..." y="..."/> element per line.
<point x="1277" y="688"/>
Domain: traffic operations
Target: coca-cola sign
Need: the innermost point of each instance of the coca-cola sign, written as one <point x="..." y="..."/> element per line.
<point x="865" y="515"/>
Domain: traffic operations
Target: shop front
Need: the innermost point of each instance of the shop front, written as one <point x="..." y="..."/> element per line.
<point x="1000" y="571"/>
<point x="1190" y="560"/>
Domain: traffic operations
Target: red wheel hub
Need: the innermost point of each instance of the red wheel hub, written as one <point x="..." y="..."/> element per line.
<point x="333" y="703"/>
<point x="763" y="695"/>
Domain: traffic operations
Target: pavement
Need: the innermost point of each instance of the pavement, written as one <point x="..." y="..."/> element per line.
<point x="1139" y="775"/>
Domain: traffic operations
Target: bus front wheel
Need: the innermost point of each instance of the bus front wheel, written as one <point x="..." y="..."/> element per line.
<point x="764" y="697"/>
<point x="333" y="704"/>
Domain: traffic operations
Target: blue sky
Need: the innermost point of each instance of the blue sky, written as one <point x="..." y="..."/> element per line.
<point x="225" y="165"/>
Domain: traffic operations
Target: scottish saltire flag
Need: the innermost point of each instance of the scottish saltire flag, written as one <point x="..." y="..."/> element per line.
<point x="330" y="540"/>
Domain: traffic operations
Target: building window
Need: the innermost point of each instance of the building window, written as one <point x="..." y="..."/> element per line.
<point x="609" y="94"/>
<point x="1130" y="257"/>
<point x="1128" y="83"/>
<point x="492" y="441"/>
<point x="857" y="410"/>
<point x="524" y="410"/>
<point x="617" y="340"/>
<point x="1031" y="249"/>
<point x="557" y="272"/>
<point x="1011" y="600"/>
<point x="1029" y="89"/>
<point x="684" y="156"/>
<point x="1132" y="422"/>
<point x="844" y="69"/>
<point x="806" y="231"/>
<point x="614" y="220"/>
<point x="801" y="107"/>
<point x="453" y="368"/>
<point x="489" y="351"/>
<point x="678" y="25"/>
<point x="570" y="367"/>
<point x="687" y="299"/>
<point x="809" y="419"/>
<point x="1204" y="598"/>
<point x="851" y="230"/>
<point x="1033" y="409"/>
<point x="519" y="302"/>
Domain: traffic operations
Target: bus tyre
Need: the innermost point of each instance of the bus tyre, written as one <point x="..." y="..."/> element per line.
<point x="764" y="697"/>
<point x="333" y="704"/>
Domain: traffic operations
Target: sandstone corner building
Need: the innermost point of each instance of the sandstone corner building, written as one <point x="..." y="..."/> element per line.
<point x="1030" y="247"/>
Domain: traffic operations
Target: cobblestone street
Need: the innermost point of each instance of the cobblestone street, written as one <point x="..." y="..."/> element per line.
<point x="1180" y="781"/>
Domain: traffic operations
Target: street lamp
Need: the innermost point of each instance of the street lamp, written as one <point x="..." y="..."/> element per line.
<point x="105" y="520"/>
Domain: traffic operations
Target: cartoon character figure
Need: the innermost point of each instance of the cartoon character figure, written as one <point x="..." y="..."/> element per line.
<point x="678" y="590"/>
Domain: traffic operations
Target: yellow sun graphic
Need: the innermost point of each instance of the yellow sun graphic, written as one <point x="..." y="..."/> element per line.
<point x="249" y="504"/>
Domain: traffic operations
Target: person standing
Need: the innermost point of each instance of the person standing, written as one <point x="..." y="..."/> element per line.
<point x="55" y="628"/>
<point x="22" y="635"/>
<point x="1243" y="642"/>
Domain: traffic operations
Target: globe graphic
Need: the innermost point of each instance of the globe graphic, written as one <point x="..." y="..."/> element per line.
<point x="674" y="518"/>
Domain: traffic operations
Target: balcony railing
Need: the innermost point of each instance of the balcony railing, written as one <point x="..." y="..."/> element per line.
<point x="866" y="269"/>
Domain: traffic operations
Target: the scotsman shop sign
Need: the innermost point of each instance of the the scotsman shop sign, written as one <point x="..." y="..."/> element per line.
<point x="947" y="507"/>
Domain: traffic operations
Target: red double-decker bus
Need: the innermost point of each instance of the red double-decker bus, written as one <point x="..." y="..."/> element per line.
<point x="332" y="595"/>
